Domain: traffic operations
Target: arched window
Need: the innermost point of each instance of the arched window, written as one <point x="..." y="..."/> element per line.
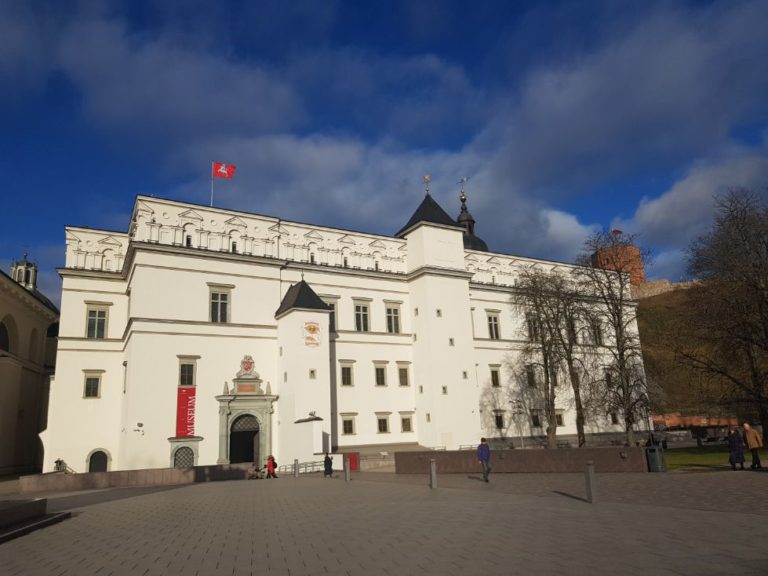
<point x="5" y="339"/>
<point x="184" y="457"/>
<point x="98" y="461"/>
<point x="9" y="335"/>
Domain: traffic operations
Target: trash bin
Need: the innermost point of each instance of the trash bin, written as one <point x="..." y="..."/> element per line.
<point x="655" y="457"/>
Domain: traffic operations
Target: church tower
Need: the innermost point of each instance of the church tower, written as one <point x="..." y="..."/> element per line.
<point x="25" y="273"/>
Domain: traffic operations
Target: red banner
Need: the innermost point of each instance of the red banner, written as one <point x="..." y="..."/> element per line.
<point x="185" y="412"/>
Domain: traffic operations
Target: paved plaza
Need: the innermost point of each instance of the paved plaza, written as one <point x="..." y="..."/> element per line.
<point x="383" y="524"/>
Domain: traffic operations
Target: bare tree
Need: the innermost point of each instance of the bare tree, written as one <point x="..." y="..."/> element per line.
<point x="559" y="316"/>
<point x="728" y="340"/>
<point x="537" y="298"/>
<point x="607" y="263"/>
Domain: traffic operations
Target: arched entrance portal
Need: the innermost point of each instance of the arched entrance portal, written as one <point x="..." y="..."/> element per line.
<point x="244" y="439"/>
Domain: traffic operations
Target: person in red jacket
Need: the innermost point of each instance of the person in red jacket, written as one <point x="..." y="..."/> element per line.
<point x="271" y="467"/>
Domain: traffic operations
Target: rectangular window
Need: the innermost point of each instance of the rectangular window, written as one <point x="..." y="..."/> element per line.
<point x="597" y="332"/>
<point x="445" y="390"/>
<point x="186" y="374"/>
<point x="533" y="327"/>
<point x="234" y="247"/>
<point x="92" y="387"/>
<point x="346" y="376"/>
<point x="383" y="424"/>
<point x="608" y="379"/>
<point x="406" y="424"/>
<point x="188" y="241"/>
<point x="530" y="375"/>
<point x="97" y="322"/>
<point x="347" y="425"/>
<point x="361" y="317"/>
<point x="536" y="418"/>
<point x="559" y="418"/>
<point x="402" y="373"/>
<point x="495" y="378"/>
<point x="393" y="319"/>
<point x="219" y="306"/>
<point x="614" y="418"/>
<point x="381" y="376"/>
<point x="493" y="325"/>
<point x="499" y="420"/>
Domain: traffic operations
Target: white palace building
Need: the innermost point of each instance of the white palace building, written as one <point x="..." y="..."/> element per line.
<point x="210" y="336"/>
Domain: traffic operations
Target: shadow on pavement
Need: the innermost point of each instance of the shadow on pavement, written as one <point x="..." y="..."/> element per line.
<point x="579" y="498"/>
<point x="109" y="495"/>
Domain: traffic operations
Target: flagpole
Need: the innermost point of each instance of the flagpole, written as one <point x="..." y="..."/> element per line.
<point x="211" y="185"/>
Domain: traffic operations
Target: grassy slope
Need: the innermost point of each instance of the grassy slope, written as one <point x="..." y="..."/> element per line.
<point x="706" y="457"/>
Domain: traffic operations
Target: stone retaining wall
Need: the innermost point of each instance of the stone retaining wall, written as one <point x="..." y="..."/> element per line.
<point x="61" y="482"/>
<point x="609" y="459"/>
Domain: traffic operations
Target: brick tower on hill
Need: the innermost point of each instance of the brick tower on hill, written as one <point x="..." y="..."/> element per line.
<point x="622" y="258"/>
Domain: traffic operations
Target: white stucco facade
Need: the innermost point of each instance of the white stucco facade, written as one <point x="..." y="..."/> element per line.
<point x="150" y="291"/>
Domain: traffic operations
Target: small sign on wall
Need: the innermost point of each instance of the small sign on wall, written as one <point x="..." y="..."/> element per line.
<point x="311" y="334"/>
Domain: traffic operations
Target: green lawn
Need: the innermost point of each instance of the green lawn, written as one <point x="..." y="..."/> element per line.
<point x="704" y="457"/>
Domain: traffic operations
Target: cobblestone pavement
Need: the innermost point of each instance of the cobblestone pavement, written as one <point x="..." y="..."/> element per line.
<point x="385" y="524"/>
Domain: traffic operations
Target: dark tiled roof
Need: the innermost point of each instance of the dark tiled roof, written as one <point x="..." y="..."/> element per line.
<point x="428" y="211"/>
<point x="472" y="242"/>
<point x="301" y="296"/>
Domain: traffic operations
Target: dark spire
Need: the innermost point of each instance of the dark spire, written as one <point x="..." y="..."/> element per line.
<point x="428" y="211"/>
<point x="466" y="221"/>
<point x="300" y="295"/>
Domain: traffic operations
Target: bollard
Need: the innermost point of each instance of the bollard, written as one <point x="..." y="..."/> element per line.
<point x="432" y="473"/>
<point x="347" y="474"/>
<point x="589" y="479"/>
<point x="296" y="468"/>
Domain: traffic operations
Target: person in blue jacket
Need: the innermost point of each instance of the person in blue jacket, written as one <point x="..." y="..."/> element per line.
<point x="484" y="457"/>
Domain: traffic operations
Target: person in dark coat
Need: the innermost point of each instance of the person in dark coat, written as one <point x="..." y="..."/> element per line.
<point x="735" y="448"/>
<point x="327" y="466"/>
<point x="484" y="457"/>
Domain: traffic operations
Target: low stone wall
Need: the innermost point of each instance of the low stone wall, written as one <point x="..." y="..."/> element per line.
<point x="61" y="482"/>
<point x="609" y="459"/>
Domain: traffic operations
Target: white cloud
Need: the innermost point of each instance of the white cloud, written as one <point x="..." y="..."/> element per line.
<point x="685" y="211"/>
<point x="166" y="92"/>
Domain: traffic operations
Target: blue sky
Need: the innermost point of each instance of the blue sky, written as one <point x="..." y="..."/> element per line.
<point x="566" y="116"/>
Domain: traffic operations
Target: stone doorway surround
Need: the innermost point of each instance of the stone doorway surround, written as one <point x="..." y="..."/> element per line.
<point x="246" y="397"/>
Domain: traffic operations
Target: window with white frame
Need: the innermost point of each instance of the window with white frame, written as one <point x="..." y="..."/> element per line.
<point x="493" y="325"/>
<point x="380" y="373"/>
<point x="403" y="375"/>
<point x="92" y="383"/>
<point x="220" y="303"/>
<point x="347" y="424"/>
<point x="347" y="376"/>
<point x="187" y="369"/>
<point x="614" y="418"/>
<point x="498" y="418"/>
<point x="530" y="375"/>
<point x="382" y="423"/>
<point x="97" y="319"/>
<point x="406" y="423"/>
<point x="559" y="418"/>
<point x="361" y="316"/>
<point x="393" y="318"/>
<point x="536" y="418"/>
<point x="532" y="324"/>
<point x="495" y="375"/>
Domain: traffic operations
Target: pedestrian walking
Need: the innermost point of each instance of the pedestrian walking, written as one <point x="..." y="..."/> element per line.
<point x="271" y="467"/>
<point x="327" y="466"/>
<point x="484" y="457"/>
<point x="735" y="448"/>
<point x="754" y="442"/>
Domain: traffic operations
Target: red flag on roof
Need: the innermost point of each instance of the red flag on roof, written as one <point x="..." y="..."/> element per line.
<point x="616" y="232"/>
<point x="221" y="170"/>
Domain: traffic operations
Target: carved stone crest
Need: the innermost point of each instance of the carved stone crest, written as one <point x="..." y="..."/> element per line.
<point x="246" y="368"/>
